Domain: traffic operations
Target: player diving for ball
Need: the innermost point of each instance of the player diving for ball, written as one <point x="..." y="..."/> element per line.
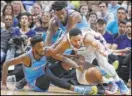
<point x="85" y="44"/>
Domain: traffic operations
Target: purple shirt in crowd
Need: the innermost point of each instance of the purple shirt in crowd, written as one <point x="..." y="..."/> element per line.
<point x="123" y="41"/>
<point x="30" y="33"/>
<point x="108" y="37"/>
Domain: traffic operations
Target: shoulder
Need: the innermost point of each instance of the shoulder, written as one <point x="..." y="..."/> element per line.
<point x="75" y="15"/>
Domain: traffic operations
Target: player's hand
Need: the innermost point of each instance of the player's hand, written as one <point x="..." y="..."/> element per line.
<point x="49" y="51"/>
<point x="127" y="49"/>
<point x="80" y="68"/>
<point x="129" y="83"/>
<point x="4" y="87"/>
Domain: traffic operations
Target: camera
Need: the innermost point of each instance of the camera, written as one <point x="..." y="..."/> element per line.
<point x="18" y="40"/>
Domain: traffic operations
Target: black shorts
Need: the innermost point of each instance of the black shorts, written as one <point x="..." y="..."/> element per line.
<point x="43" y="82"/>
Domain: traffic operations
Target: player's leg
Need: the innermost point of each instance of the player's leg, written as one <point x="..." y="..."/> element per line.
<point x="103" y="63"/>
<point x="55" y="70"/>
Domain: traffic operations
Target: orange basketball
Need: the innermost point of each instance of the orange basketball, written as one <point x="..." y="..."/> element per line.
<point x="93" y="76"/>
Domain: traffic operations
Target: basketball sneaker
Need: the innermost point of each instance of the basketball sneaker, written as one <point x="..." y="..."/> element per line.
<point x="86" y="90"/>
<point x="112" y="87"/>
<point x="122" y="87"/>
<point x="90" y="90"/>
<point x="115" y="64"/>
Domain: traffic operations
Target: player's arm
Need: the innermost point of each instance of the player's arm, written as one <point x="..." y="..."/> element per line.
<point x="14" y="61"/>
<point x="51" y="31"/>
<point x="90" y="40"/>
<point x="57" y="53"/>
<point x="73" y="20"/>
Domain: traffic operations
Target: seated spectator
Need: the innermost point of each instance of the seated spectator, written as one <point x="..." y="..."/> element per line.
<point x="123" y="42"/>
<point x="122" y="29"/>
<point x="36" y="10"/>
<point x="129" y="13"/>
<point x="121" y="48"/>
<point x="28" y="5"/>
<point x="44" y="23"/>
<point x="113" y="7"/>
<point x="100" y="27"/>
<point x="92" y="19"/>
<point x="3" y="3"/>
<point x="45" y="4"/>
<point x="6" y="35"/>
<point x="24" y="26"/>
<point x="103" y="12"/>
<point x="7" y="10"/>
<point x="30" y="17"/>
<point x="113" y="26"/>
<point x="17" y="9"/>
<point x="83" y="9"/>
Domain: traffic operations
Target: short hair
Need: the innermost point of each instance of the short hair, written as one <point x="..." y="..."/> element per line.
<point x="92" y="13"/>
<point x="121" y="8"/>
<point x="103" y="2"/>
<point x="36" y="39"/>
<point x="74" y="32"/>
<point x="22" y="14"/>
<point x="59" y="5"/>
<point x="101" y="22"/>
<point x="122" y="22"/>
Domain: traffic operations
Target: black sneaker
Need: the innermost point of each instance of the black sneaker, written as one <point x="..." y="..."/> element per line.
<point x="20" y="84"/>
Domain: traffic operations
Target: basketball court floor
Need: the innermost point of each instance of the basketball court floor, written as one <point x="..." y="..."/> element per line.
<point x="53" y="90"/>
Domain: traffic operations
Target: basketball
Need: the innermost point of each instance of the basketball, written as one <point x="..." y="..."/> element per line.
<point x="93" y="76"/>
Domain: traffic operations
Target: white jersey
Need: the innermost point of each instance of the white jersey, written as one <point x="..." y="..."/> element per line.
<point x="88" y="52"/>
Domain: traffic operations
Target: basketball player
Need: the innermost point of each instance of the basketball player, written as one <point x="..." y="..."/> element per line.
<point x="64" y="19"/>
<point x="85" y="44"/>
<point x="37" y="75"/>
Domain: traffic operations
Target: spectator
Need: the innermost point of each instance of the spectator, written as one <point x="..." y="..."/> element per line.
<point x="122" y="43"/>
<point x="7" y="10"/>
<point x="121" y="49"/>
<point x="103" y="12"/>
<point x="28" y="5"/>
<point x="44" y="23"/>
<point x="101" y="24"/>
<point x="45" y="4"/>
<point x="84" y="9"/>
<point x="129" y="13"/>
<point x="6" y="35"/>
<point x="3" y="3"/>
<point x="24" y="26"/>
<point x="37" y="10"/>
<point x="122" y="29"/>
<point x="113" y="7"/>
<point x="113" y="26"/>
<point x="17" y="9"/>
<point x="92" y="19"/>
<point x="30" y="17"/>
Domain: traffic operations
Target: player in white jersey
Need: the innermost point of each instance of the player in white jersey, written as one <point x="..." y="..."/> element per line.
<point x="85" y="40"/>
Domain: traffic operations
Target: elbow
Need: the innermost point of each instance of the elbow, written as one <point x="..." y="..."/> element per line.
<point x="6" y="64"/>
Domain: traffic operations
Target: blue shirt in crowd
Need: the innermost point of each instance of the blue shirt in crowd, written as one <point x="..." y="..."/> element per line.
<point x="113" y="27"/>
